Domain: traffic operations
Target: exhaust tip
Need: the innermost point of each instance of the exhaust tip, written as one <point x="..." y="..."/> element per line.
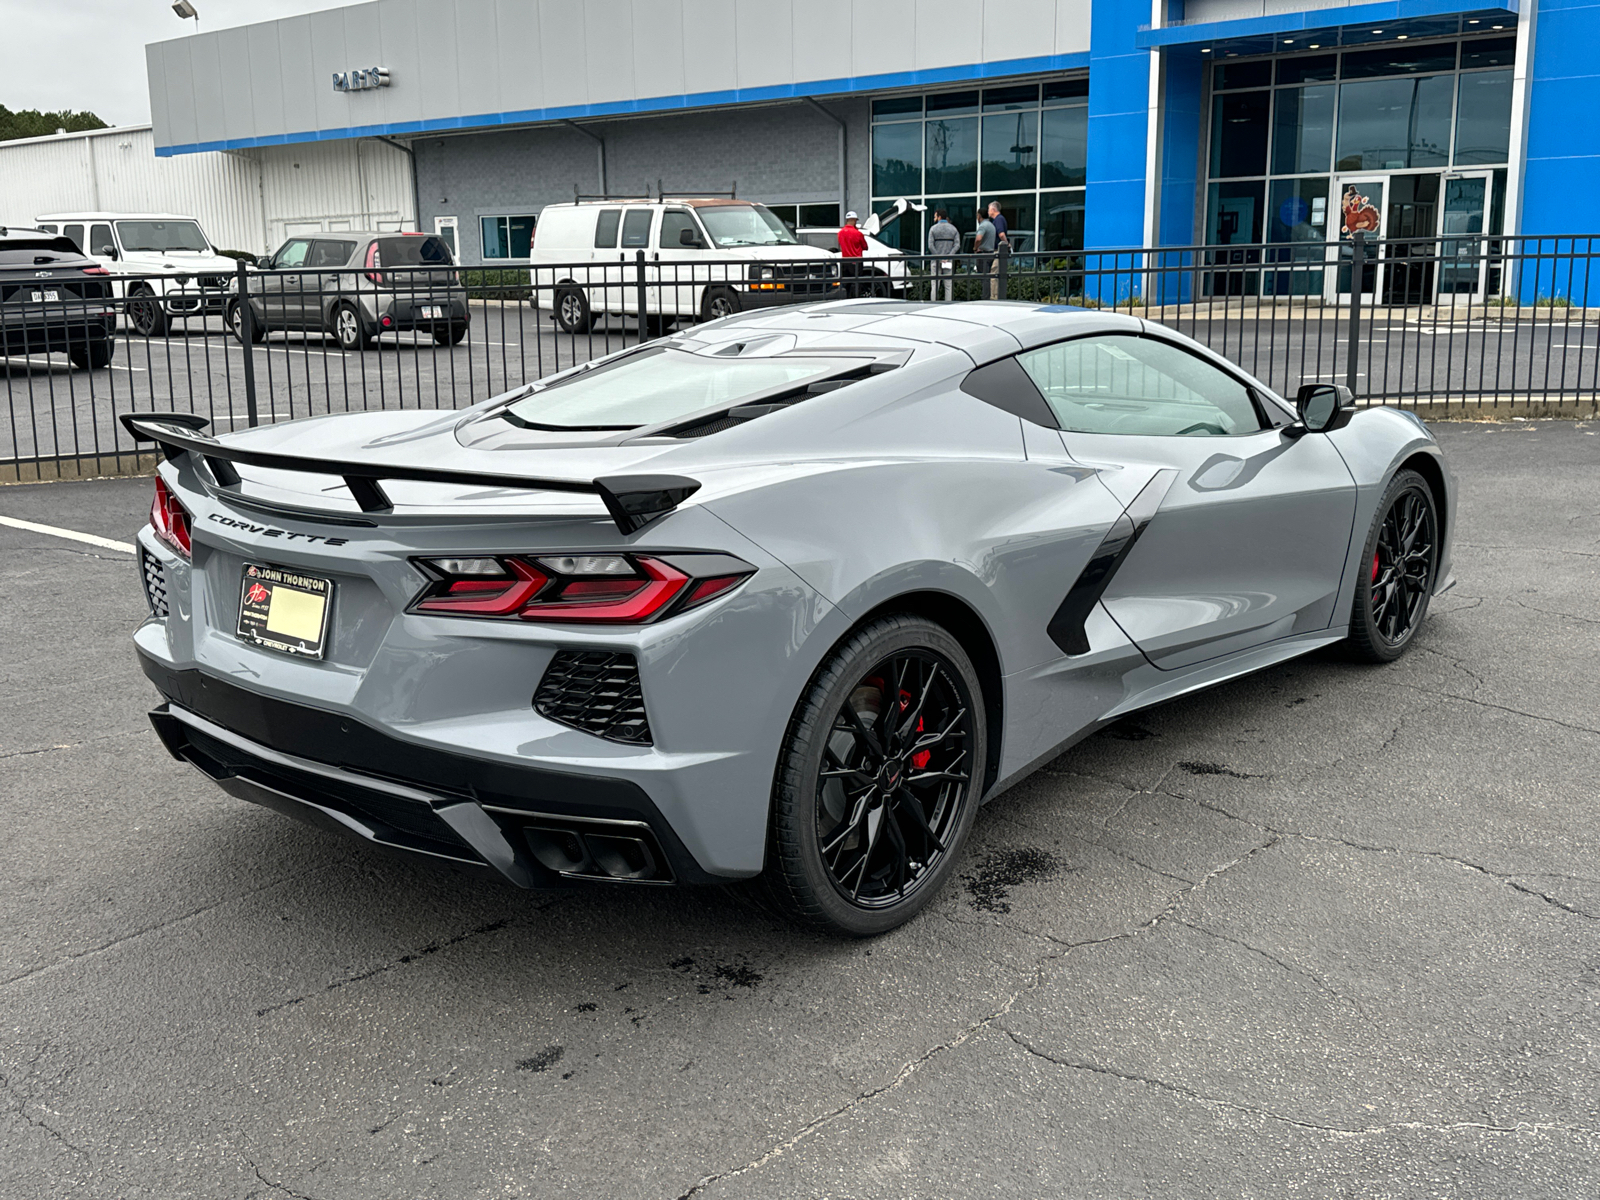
<point x="598" y="852"/>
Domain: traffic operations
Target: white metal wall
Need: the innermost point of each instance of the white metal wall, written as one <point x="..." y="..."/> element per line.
<point x="246" y="200"/>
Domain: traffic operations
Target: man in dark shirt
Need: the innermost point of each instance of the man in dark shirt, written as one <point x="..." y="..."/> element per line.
<point x="1000" y="239"/>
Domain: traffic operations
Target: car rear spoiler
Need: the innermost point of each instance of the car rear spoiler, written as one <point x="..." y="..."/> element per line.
<point x="632" y="500"/>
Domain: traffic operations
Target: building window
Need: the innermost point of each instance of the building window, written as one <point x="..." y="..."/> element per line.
<point x="1285" y="127"/>
<point x="807" y="216"/>
<point x="507" y="237"/>
<point x="1023" y="146"/>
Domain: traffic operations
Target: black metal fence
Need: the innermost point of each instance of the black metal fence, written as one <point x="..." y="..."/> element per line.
<point x="1486" y="323"/>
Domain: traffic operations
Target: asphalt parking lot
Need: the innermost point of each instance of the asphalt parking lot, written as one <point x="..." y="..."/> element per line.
<point x="1330" y="931"/>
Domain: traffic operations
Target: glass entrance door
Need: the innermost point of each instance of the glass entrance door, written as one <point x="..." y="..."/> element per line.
<point x="1360" y="210"/>
<point x="1409" y="228"/>
<point x="1462" y="247"/>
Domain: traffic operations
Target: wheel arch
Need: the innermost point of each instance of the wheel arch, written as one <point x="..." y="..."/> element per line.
<point x="1427" y="465"/>
<point x="954" y="614"/>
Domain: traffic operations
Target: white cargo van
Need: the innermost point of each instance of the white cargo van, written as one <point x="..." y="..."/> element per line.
<point x="703" y="259"/>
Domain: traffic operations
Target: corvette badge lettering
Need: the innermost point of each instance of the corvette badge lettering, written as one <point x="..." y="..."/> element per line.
<point x="269" y="531"/>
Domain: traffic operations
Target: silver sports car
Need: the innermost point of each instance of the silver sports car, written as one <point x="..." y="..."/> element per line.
<point x="787" y="595"/>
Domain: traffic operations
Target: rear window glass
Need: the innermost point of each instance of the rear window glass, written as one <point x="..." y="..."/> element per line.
<point x="605" y="229"/>
<point x="412" y="252"/>
<point x="24" y="252"/>
<point x="661" y="384"/>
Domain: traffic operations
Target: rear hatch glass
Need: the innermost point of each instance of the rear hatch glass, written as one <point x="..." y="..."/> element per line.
<point x="412" y="252"/>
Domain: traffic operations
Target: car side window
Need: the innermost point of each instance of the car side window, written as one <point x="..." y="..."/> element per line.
<point x="1120" y="383"/>
<point x="329" y="254"/>
<point x="605" y="229"/>
<point x="673" y="223"/>
<point x="293" y="253"/>
<point x="101" y="241"/>
<point x="75" y="233"/>
<point x="636" y="228"/>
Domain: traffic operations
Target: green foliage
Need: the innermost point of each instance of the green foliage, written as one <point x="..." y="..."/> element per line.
<point x="30" y="122"/>
<point x="1552" y="302"/>
<point x="497" y="283"/>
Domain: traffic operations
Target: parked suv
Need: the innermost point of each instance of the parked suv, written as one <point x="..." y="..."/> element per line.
<point x="356" y="286"/>
<point x="163" y="266"/>
<point x="704" y="259"/>
<point x="53" y="299"/>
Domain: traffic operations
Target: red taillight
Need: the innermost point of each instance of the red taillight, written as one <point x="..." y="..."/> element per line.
<point x="94" y="271"/>
<point x="170" y="520"/>
<point x="374" y="261"/>
<point x="613" y="589"/>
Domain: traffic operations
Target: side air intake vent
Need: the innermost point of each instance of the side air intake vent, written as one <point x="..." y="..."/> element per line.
<point x="595" y="691"/>
<point x="155" y="583"/>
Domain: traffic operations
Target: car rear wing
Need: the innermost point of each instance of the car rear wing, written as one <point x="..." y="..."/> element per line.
<point x="632" y="500"/>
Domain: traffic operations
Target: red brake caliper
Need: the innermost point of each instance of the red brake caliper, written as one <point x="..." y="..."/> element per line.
<point x="1374" y="566"/>
<point x="919" y="760"/>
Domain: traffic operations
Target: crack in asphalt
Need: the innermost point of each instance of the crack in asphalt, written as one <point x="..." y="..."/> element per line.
<point x="276" y="1187"/>
<point x="1291" y="968"/>
<point x="1500" y="707"/>
<point x="1509" y="878"/>
<point x="104" y="737"/>
<point x="910" y="1068"/>
<point x="1551" y="612"/>
<point x="65" y="960"/>
<point x="1341" y="1131"/>
<point x="24" y="1099"/>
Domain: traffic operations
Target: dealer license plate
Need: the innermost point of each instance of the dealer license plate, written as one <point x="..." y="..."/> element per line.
<point x="44" y="297"/>
<point x="432" y="312"/>
<point x="284" y="610"/>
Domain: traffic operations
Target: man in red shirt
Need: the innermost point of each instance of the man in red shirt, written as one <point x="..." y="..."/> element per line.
<point x="852" y="245"/>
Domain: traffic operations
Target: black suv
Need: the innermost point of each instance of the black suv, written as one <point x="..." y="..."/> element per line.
<point x="54" y="299"/>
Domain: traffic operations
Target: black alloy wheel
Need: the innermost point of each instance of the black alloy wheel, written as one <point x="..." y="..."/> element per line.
<point x="879" y="779"/>
<point x="145" y="313"/>
<point x="1395" y="577"/>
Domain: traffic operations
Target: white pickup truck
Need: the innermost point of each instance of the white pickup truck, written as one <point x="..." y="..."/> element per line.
<point x="163" y="266"/>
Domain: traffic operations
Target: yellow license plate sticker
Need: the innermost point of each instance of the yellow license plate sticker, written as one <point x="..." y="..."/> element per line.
<point x="296" y="615"/>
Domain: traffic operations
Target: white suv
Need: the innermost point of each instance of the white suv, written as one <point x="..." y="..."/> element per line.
<point x="704" y="259"/>
<point x="169" y="268"/>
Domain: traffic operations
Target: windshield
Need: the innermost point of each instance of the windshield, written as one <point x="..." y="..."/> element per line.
<point x="159" y="237"/>
<point x="744" y="225"/>
<point x="659" y="384"/>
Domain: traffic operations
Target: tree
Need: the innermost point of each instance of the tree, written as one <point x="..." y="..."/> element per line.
<point x="30" y="122"/>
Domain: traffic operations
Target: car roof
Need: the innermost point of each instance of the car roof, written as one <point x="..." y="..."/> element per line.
<point x="691" y="201"/>
<point x="116" y="216"/>
<point x="984" y="329"/>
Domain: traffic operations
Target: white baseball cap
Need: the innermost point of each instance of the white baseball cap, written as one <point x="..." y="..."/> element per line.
<point x="851" y="216"/>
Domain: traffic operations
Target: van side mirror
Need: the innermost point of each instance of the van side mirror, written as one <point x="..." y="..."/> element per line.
<point x="1324" y="407"/>
<point x="688" y="237"/>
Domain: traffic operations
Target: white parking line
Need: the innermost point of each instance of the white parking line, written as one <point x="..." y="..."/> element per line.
<point x="71" y="534"/>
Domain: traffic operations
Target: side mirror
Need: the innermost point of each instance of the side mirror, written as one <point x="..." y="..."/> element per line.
<point x="1323" y="407"/>
<point x="107" y="252"/>
<point x="264" y="264"/>
<point x="688" y="237"/>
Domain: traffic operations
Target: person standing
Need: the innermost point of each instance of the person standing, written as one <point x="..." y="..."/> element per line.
<point x="852" y="247"/>
<point x="944" y="241"/>
<point x="998" y="220"/>
<point x="983" y="245"/>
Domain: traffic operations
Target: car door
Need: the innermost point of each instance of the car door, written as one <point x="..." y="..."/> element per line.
<point x="281" y="302"/>
<point x="636" y="226"/>
<point x="678" y="283"/>
<point x="324" y="281"/>
<point x="1239" y="531"/>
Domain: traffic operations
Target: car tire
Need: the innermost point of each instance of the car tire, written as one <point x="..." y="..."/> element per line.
<point x="451" y="336"/>
<point x="349" y="330"/>
<point x="863" y="848"/>
<point x="258" y="328"/>
<point x="1396" y="573"/>
<point x="718" y="302"/>
<point x="91" y="355"/>
<point x="145" y="313"/>
<point x="572" y="311"/>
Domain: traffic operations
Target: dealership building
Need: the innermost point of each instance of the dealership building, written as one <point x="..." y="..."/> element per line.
<point x="1095" y="125"/>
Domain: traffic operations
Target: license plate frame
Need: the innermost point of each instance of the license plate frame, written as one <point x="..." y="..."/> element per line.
<point x="289" y="631"/>
<point x="47" y="296"/>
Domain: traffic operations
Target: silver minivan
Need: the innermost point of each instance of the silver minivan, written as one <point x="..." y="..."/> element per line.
<point x="696" y="258"/>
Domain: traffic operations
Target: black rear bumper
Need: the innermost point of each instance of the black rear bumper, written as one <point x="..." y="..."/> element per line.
<point x="529" y="826"/>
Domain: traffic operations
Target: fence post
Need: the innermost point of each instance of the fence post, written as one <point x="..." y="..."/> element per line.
<point x="639" y="267"/>
<point x="1005" y="263"/>
<point x="1358" y="270"/>
<point x="246" y="339"/>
